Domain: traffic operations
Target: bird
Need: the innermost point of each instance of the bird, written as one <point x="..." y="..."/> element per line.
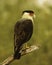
<point x="23" y="31"/>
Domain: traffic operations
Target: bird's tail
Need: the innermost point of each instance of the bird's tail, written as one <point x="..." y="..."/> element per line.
<point x="17" y="55"/>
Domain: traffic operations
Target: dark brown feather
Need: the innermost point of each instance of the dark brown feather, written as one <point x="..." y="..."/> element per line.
<point x="22" y="33"/>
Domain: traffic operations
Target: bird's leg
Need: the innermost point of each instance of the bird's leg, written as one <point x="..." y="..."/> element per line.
<point x="26" y="46"/>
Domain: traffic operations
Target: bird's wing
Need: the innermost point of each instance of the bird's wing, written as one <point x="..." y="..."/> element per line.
<point x="19" y="35"/>
<point x="22" y="33"/>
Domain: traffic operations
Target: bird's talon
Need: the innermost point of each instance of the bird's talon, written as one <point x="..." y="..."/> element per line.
<point x="27" y="47"/>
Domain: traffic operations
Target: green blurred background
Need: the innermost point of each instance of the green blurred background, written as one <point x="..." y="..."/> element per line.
<point x="10" y="12"/>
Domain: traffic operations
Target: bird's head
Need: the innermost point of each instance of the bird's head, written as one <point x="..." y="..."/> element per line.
<point x="28" y="14"/>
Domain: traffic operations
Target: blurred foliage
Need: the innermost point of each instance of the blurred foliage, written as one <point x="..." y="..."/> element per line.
<point x="10" y="12"/>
